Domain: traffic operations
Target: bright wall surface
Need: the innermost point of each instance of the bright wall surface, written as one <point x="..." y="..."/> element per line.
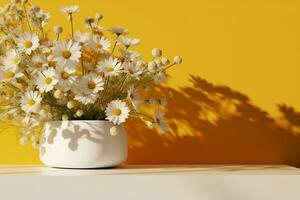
<point x="244" y="58"/>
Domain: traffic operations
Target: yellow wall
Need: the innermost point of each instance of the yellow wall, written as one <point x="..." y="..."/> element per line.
<point x="249" y="46"/>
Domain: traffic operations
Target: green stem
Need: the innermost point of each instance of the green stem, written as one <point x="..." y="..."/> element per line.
<point x="115" y="44"/>
<point x="72" y="27"/>
<point x="169" y="66"/>
<point x="25" y="10"/>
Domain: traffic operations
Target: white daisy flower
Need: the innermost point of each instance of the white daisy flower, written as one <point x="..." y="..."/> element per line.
<point x="130" y="55"/>
<point x="90" y="84"/>
<point x="161" y="121"/>
<point x="46" y="80"/>
<point x="30" y="102"/>
<point x="66" y="77"/>
<point x="38" y="17"/>
<point x="118" y="31"/>
<point x="94" y="27"/>
<point x="12" y="58"/>
<point x="117" y="112"/>
<point x="100" y="43"/>
<point x="134" y="96"/>
<point x="9" y="73"/>
<point x="86" y="98"/>
<point x="28" y="42"/>
<point x="39" y="62"/>
<point x="110" y="67"/>
<point x="81" y="38"/>
<point x="52" y="63"/>
<point x="127" y="42"/>
<point x="70" y="9"/>
<point x="45" y="49"/>
<point x="66" y="51"/>
<point x="133" y="69"/>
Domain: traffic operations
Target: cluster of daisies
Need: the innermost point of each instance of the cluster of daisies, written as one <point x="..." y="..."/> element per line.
<point x="95" y="75"/>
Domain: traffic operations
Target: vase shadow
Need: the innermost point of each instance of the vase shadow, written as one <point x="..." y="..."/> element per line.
<point x="212" y="124"/>
<point x="72" y="132"/>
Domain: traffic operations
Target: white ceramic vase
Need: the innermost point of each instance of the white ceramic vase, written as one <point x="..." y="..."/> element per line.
<point x="82" y="144"/>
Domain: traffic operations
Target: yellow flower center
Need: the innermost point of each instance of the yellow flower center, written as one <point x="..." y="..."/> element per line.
<point x="52" y="64"/>
<point x="31" y="102"/>
<point x="9" y="74"/>
<point x="66" y="54"/>
<point x="38" y="65"/>
<point x="99" y="46"/>
<point x="48" y="80"/>
<point x="65" y="75"/>
<point x="91" y="85"/>
<point x="28" y="44"/>
<point x="117" y="111"/>
<point x="16" y="60"/>
<point x="110" y="69"/>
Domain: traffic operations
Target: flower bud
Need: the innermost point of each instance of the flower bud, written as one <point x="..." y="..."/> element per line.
<point x="163" y="101"/>
<point x="152" y="66"/>
<point x="151" y="101"/>
<point x="24" y="1"/>
<point x="33" y="138"/>
<point x="65" y="118"/>
<point x="89" y="20"/>
<point x="35" y="144"/>
<point x="113" y="131"/>
<point x="58" y="94"/>
<point x="57" y="30"/>
<point x="23" y="140"/>
<point x="79" y="113"/>
<point x="177" y="59"/>
<point x="71" y="104"/>
<point x="157" y="62"/>
<point x="165" y="61"/>
<point x="139" y="63"/>
<point x="156" y="52"/>
<point x="98" y="16"/>
<point x="149" y="124"/>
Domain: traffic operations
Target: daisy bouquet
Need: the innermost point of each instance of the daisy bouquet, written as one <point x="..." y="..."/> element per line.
<point x="83" y="76"/>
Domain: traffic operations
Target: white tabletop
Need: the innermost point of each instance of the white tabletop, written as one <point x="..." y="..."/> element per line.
<point x="188" y="182"/>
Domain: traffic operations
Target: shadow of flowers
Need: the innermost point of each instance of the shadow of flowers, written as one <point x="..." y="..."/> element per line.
<point x="71" y="132"/>
<point x="215" y="125"/>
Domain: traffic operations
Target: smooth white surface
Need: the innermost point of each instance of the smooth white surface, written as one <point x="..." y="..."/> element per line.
<point x="82" y="144"/>
<point x="193" y="182"/>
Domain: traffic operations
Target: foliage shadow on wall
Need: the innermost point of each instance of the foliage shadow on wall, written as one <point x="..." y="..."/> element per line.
<point x="216" y="125"/>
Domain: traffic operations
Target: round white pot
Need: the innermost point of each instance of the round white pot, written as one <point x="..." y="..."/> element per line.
<point x="82" y="144"/>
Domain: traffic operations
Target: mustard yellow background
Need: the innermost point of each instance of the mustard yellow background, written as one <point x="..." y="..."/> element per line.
<point x="252" y="47"/>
